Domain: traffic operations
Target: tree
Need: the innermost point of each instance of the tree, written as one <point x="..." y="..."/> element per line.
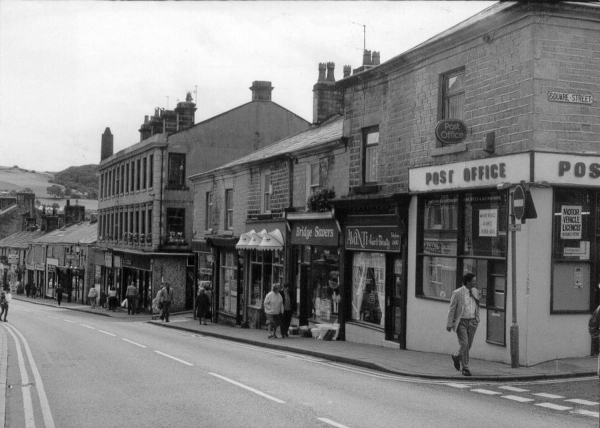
<point x="37" y="203"/>
<point x="55" y="191"/>
<point x="55" y="205"/>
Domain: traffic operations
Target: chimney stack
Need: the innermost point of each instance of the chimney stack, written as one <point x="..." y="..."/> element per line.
<point x="375" y="59"/>
<point x="367" y="57"/>
<point x="106" y="145"/>
<point x="261" y="90"/>
<point x="347" y="70"/>
<point x="328" y="98"/>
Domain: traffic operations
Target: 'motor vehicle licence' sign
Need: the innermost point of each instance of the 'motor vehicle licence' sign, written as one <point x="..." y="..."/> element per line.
<point x="451" y="131"/>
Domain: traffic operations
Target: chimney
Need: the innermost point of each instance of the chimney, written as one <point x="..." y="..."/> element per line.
<point x="347" y="71"/>
<point x="367" y="57"/>
<point x="375" y="58"/>
<point x="261" y="90"/>
<point x="369" y="61"/>
<point x="328" y="98"/>
<point x="106" y="146"/>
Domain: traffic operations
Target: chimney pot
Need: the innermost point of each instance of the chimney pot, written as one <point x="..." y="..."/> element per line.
<point x="367" y="57"/>
<point x="321" y="72"/>
<point x="330" y="70"/>
<point x="261" y="90"/>
<point x="347" y="70"/>
<point x="375" y="58"/>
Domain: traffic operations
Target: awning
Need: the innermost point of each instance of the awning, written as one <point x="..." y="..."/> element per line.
<point x="272" y="241"/>
<point x="261" y="240"/>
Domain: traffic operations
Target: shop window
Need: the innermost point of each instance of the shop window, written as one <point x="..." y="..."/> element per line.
<point x="324" y="288"/>
<point x="208" y="220"/>
<point x="368" y="287"/>
<point x="229" y="283"/>
<point x="266" y="269"/>
<point x="267" y="191"/>
<point x="370" y="154"/>
<point x="573" y="232"/>
<point x="176" y="171"/>
<point x="175" y="225"/>
<point x="453" y="95"/>
<point x="229" y="209"/>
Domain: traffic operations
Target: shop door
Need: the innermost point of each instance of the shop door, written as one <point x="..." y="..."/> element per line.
<point x="394" y="330"/>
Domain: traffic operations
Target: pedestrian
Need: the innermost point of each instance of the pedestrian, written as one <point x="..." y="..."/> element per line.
<point x="103" y="299"/>
<point x="59" y="294"/>
<point x="594" y="328"/>
<point x="27" y="290"/>
<point x="93" y="295"/>
<point x="202" y="305"/>
<point x="131" y="295"/>
<point x="287" y="310"/>
<point x="273" y="310"/>
<point x="5" y="298"/>
<point x="33" y="291"/>
<point x="165" y="297"/>
<point x="463" y="318"/>
<point x="112" y="299"/>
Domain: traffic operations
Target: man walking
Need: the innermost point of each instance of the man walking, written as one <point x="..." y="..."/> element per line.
<point x="165" y="297"/>
<point x="59" y="294"/>
<point x="131" y="297"/>
<point x="273" y="309"/>
<point x="463" y="318"/>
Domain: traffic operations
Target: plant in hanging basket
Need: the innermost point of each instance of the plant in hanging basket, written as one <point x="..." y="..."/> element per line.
<point x="320" y="200"/>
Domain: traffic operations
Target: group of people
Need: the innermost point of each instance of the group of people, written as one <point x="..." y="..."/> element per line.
<point x="31" y="290"/>
<point x="278" y="309"/>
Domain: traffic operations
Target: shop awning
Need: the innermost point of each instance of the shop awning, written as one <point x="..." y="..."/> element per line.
<point x="255" y="239"/>
<point x="242" y="244"/>
<point x="272" y="241"/>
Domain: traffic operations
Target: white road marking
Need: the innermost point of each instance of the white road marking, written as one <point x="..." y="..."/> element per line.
<point x="517" y="398"/>
<point x="54" y="318"/>
<point x="586" y="413"/>
<point x="25" y="390"/>
<point x="134" y="343"/>
<point x="584" y="402"/>
<point x="513" y="389"/>
<point x="72" y="322"/>
<point x="106" y="332"/>
<point x="330" y="422"/>
<point x="174" y="358"/>
<point x="87" y="326"/>
<point x="543" y="394"/>
<point x="553" y="406"/>
<point x="39" y="384"/>
<point x="458" y="385"/>
<point x="486" y="391"/>
<point x="241" y="385"/>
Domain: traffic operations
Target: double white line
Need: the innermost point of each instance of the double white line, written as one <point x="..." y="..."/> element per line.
<point x="20" y="341"/>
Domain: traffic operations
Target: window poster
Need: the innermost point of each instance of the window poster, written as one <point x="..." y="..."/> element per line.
<point x="570" y="222"/>
<point x="488" y="222"/>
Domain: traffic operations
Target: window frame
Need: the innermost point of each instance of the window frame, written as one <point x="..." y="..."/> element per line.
<point x="370" y="154"/>
<point x="266" y="192"/>
<point x="176" y="180"/>
<point x="447" y="97"/>
<point x="228" y="224"/>
<point x="208" y="216"/>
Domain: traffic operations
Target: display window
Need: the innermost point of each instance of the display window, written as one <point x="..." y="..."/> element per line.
<point x="228" y="286"/>
<point x="460" y="233"/>
<point x="368" y="287"/>
<point x="325" y="285"/>
<point x="266" y="269"/>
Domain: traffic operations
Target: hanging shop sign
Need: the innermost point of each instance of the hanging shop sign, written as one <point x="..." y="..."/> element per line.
<point x="108" y="260"/>
<point x="315" y="233"/>
<point x="471" y="174"/>
<point x="451" y="131"/>
<point x="13" y="259"/>
<point x="565" y="97"/>
<point x="373" y="238"/>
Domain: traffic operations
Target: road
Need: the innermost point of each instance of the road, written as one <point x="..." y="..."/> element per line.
<point x="73" y="369"/>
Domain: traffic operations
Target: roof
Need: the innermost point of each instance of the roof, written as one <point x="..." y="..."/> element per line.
<point x="81" y="233"/>
<point x="20" y="239"/>
<point x="312" y="138"/>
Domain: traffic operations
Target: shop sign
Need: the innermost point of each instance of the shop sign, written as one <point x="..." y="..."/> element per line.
<point x="570" y="222"/>
<point x="439" y="248"/>
<point x="567" y="169"/>
<point x="478" y="173"/>
<point x="39" y="266"/>
<point x="565" y="97"/>
<point x="451" y="131"/>
<point x="488" y="222"/>
<point x="51" y="268"/>
<point x="373" y="238"/>
<point x="117" y="262"/>
<point x="13" y="259"/>
<point x="315" y="233"/>
<point x="126" y="262"/>
<point x="108" y="260"/>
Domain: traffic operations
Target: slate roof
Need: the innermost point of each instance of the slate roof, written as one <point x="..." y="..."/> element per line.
<point x="330" y="131"/>
<point x="20" y="239"/>
<point x="82" y="233"/>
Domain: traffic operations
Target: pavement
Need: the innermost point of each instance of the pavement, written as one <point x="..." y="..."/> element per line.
<point x="401" y="362"/>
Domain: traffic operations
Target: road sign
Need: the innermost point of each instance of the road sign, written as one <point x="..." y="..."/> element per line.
<point x="518" y="202"/>
<point x="514" y="227"/>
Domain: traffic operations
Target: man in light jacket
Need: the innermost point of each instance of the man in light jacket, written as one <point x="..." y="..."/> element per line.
<point x="273" y="310"/>
<point x="165" y="296"/>
<point x="463" y="318"/>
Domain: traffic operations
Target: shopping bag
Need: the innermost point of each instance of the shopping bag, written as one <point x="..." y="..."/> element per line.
<point x="124" y="303"/>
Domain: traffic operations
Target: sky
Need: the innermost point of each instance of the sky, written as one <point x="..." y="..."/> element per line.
<point x="70" y="69"/>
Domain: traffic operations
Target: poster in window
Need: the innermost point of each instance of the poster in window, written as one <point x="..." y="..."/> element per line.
<point x="570" y="222"/>
<point x="488" y="222"/>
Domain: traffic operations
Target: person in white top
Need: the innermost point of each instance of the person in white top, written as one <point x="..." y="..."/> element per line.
<point x="463" y="318"/>
<point x="273" y="310"/>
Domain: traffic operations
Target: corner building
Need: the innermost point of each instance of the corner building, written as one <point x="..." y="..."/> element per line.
<point x="439" y="138"/>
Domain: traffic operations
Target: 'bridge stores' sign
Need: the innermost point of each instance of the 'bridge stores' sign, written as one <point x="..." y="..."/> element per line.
<point x="373" y="238"/>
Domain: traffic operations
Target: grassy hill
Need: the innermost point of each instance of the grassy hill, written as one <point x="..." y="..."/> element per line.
<point x="12" y="178"/>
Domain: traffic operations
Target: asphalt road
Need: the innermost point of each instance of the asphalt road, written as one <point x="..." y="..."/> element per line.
<point x="73" y="369"/>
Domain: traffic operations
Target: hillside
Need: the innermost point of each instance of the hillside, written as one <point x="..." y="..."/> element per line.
<point x="12" y="178"/>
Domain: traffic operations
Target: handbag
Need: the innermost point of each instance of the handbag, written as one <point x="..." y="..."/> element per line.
<point x="124" y="303"/>
<point x="160" y="305"/>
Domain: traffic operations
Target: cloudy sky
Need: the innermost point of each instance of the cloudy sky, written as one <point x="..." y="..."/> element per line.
<point x="69" y="69"/>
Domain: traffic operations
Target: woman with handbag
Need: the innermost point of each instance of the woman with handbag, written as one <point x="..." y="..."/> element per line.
<point x="4" y="301"/>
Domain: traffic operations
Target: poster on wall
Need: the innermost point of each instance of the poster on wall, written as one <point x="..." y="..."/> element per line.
<point x="570" y="222"/>
<point x="488" y="222"/>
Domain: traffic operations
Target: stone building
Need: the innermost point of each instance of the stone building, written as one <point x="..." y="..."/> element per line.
<point x="145" y="207"/>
